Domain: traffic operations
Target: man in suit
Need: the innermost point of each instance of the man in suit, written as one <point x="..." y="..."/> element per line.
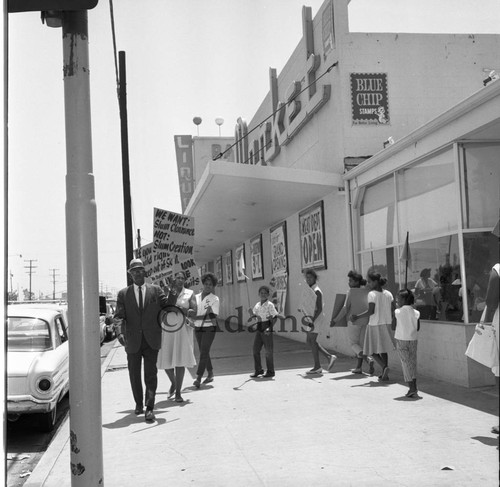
<point x="138" y="330"/>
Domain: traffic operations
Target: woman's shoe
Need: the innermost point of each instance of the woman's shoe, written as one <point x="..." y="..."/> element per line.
<point x="319" y="370"/>
<point x="179" y="399"/>
<point x="411" y="393"/>
<point x="197" y="383"/>
<point x="171" y="390"/>
<point x="357" y="370"/>
<point x="495" y="430"/>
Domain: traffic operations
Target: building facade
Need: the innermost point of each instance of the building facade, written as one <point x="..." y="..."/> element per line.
<point x="315" y="186"/>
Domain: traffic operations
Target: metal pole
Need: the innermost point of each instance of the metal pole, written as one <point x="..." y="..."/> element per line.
<point x="122" y="96"/>
<point x="81" y="243"/>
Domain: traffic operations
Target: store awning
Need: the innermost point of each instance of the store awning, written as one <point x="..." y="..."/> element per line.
<point x="233" y="202"/>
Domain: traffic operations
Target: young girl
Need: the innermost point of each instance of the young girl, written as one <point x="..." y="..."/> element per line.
<point x="266" y="314"/>
<point x="380" y="311"/>
<point x="407" y="325"/>
<point x="315" y="320"/>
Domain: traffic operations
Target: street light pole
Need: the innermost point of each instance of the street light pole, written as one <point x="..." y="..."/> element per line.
<point x="81" y="245"/>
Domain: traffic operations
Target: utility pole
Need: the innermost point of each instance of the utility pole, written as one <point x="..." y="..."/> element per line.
<point x="54" y="283"/>
<point x="81" y="245"/>
<point x="138" y="243"/>
<point x="122" y="99"/>
<point x="31" y="270"/>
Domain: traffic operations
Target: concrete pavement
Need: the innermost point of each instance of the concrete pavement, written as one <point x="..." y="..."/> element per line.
<point x="336" y="429"/>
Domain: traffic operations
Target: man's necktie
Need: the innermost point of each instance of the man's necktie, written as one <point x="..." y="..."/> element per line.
<point x="140" y="298"/>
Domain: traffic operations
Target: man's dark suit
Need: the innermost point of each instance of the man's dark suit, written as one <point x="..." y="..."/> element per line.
<point x="143" y="338"/>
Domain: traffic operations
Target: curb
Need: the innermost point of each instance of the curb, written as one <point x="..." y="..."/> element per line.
<point x="43" y="468"/>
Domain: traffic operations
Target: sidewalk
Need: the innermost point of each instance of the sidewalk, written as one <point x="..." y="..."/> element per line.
<point x="336" y="429"/>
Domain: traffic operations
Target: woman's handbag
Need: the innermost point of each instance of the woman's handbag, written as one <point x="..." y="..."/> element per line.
<point x="483" y="346"/>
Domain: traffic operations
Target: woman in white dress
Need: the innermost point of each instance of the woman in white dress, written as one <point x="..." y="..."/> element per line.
<point x="176" y="351"/>
<point x="491" y="315"/>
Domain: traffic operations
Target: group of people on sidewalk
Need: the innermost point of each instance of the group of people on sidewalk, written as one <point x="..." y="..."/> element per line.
<point x="156" y="329"/>
<point x="374" y="329"/>
<point x="369" y="331"/>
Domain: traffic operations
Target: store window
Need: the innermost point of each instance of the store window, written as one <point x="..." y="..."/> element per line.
<point x="481" y="197"/>
<point x="427" y="198"/>
<point x="377" y="218"/>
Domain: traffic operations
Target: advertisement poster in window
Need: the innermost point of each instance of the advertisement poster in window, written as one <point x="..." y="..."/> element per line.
<point x="256" y="257"/>
<point x="369" y="99"/>
<point x="279" y="266"/>
<point x="240" y="263"/>
<point x="218" y="270"/>
<point x="312" y="237"/>
<point x="279" y="257"/>
<point x="228" y="267"/>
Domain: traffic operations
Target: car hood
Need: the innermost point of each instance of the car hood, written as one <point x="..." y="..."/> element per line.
<point x="20" y="363"/>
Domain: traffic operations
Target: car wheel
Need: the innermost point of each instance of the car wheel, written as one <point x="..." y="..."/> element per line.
<point x="48" y="420"/>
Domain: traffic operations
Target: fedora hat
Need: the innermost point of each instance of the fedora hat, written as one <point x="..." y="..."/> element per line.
<point x="135" y="264"/>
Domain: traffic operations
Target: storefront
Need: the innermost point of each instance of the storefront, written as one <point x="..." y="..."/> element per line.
<point x="440" y="186"/>
<point x="314" y="187"/>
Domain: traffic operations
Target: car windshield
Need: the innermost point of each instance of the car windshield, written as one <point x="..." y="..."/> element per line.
<point x="28" y="335"/>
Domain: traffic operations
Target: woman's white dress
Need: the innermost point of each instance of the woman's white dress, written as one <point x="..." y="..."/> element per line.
<point x="177" y="347"/>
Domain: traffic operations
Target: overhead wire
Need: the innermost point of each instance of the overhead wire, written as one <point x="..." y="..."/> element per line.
<point x="221" y="154"/>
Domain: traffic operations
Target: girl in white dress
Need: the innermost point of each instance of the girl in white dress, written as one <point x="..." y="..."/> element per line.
<point x="176" y="351"/>
<point x="380" y="311"/>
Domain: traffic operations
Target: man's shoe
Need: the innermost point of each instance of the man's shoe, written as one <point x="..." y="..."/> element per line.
<point x="257" y="373"/>
<point x="210" y="378"/>
<point x="268" y="374"/>
<point x="138" y="410"/>
<point x="333" y="358"/>
<point x="319" y="370"/>
<point x="357" y="370"/>
<point x="150" y="417"/>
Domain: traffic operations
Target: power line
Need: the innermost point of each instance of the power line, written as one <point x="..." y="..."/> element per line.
<point x="221" y="154"/>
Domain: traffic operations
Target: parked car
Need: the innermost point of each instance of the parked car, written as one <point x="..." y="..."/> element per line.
<point x="107" y="310"/>
<point x="37" y="361"/>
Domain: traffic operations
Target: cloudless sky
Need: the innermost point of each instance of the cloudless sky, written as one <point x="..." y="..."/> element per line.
<point x="185" y="58"/>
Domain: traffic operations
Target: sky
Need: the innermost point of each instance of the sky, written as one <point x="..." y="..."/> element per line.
<point x="184" y="58"/>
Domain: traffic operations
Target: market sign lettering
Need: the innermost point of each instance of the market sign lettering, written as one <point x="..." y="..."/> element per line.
<point x="369" y="99"/>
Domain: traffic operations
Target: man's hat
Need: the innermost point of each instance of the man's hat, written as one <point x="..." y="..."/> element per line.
<point x="135" y="264"/>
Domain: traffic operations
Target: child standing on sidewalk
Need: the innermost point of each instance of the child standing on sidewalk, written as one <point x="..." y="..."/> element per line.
<point x="266" y="313"/>
<point x="407" y="326"/>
